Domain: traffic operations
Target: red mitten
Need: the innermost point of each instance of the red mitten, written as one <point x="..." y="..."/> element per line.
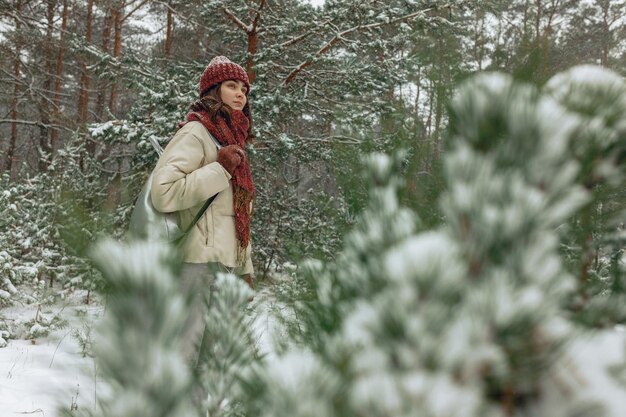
<point x="230" y="157"/>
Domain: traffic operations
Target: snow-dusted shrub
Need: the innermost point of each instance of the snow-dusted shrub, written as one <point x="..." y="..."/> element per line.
<point x="84" y="338"/>
<point x="47" y="221"/>
<point x="5" y="333"/>
<point x="37" y="330"/>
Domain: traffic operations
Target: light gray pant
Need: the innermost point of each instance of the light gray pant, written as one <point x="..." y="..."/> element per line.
<point x="196" y="282"/>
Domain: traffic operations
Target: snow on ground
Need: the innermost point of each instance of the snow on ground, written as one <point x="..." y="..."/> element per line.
<point x="266" y="325"/>
<point x="36" y="376"/>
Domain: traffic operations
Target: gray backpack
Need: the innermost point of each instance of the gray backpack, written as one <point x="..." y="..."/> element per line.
<point x="146" y="222"/>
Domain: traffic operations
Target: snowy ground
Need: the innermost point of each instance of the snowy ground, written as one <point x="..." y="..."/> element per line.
<point x="37" y="375"/>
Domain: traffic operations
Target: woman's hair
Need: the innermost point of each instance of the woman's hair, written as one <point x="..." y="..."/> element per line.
<point x="212" y="103"/>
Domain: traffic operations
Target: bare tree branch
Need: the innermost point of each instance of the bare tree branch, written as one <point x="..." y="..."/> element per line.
<point x="129" y="14"/>
<point x="35" y="123"/>
<point x="257" y="18"/>
<point x="236" y="20"/>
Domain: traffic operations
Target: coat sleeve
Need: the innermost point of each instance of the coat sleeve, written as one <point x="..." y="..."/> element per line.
<point x="180" y="181"/>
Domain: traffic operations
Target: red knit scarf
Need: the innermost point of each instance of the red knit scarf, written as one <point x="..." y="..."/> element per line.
<point x="234" y="133"/>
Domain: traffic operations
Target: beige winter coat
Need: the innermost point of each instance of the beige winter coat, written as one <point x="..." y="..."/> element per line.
<point x="186" y="175"/>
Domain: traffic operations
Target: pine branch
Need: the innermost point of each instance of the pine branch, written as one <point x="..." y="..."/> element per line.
<point x="305" y="35"/>
<point x="340" y="36"/>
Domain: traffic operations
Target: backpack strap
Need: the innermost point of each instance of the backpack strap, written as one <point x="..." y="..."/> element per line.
<point x="218" y="145"/>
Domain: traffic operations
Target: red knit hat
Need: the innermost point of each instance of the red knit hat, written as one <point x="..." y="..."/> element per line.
<point x="219" y="70"/>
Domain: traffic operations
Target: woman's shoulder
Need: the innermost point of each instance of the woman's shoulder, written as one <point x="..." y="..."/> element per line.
<point x="193" y="127"/>
<point x="191" y="131"/>
<point x="194" y="134"/>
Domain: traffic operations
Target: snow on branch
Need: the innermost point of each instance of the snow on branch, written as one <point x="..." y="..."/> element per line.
<point x="305" y="35"/>
<point x="340" y="36"/>
<point x="236" y="20"/>
<point x="255" y="23"/>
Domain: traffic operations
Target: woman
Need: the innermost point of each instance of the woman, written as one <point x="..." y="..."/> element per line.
<point x="192" y="169"/>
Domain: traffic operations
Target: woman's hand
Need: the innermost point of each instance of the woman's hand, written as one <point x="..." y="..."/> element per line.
<point x="230" y="157"/>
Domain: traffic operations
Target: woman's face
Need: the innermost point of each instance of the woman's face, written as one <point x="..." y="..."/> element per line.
<point x="233" y="93"/>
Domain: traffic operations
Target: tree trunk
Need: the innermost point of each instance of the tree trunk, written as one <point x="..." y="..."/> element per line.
<point x="416" y="105"/>
<point x="431" y="99"/>
<point x="10" y="161"/>
<point x="538" y="22"/>
<point x="440" y="98"/>
<point x="525" y="18"/>
<point x="253" y="45"/>
<point x="439" y="86"/>
<point x="118" y="14"/>
<point x="476" y="39"/>
<point x="198" y="41"/>
<point x="114" y="192"/>
<point x="252" y="33"/>
<point x="169" y="33"/>
<point x="496" y="60"/>
<point x="102" y="85"/>
<point x="83" y="97"/>
<point x="45" y="150"/>
<point x="54" y="136"/>
<point x="481" y="46"/>
<point x="606" y="38"/>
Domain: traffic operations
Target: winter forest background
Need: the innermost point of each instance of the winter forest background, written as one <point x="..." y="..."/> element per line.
<point x="440" y="214"/>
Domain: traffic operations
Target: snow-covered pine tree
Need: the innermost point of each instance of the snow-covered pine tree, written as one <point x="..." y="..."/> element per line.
<point x="465" y="320"/>
<point x="228" y="348"/>
<point x="597" y="238"/>
<point x="137" y="347"/>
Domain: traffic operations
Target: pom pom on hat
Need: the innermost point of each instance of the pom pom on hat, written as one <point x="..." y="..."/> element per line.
<point x="219" y="70"/>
